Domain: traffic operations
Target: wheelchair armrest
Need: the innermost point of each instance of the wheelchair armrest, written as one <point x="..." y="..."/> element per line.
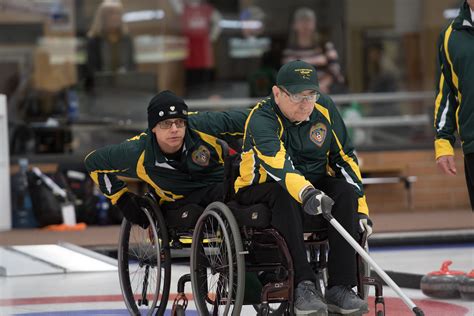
<point x="231" y="172"/>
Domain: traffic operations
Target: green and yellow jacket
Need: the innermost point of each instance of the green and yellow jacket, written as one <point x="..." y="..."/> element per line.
<point x="201" y="162"/>
<point x="296" y="155"/>
<point x="454" y="106"/>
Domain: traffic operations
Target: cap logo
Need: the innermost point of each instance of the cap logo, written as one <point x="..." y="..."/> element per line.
<point x="172" y="108"/>
<point x="304" y="72"/>
<point x="185" y="112"/>
<point x="161" y="113"/>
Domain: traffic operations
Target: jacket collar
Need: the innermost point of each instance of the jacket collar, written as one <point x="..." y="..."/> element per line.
<point x="153" y="154"/>
<point x="464" y="20"/>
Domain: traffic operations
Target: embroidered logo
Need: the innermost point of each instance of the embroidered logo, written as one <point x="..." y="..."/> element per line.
<point x="201" y="156"/>
<point x="304" y="73"/>
<point x="318" y="133"/>
<point x="172" y="108"/>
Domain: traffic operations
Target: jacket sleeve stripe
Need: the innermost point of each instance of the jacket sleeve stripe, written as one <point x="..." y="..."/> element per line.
<point x="246" y="170"/>
<point x="211" y="140"/>
<point x="348" y="177"/>
<point x="363" y="207"/>
<point x="439" y="98"/>
<point x="164" y="195"/>
<point x="442" y="119"/>
<point x="278" y="161"/>
<point x="448" y="57"/>
<point x="114" y="197"/>
<point x="352" y="164"/>
<point x="324" y="111"/>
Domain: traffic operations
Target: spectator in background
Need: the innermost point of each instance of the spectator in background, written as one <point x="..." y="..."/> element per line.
<point x="304" y="44"/>
<point x="109" y="46"/>
<point x="382" y="76"/>
<point x="200" y="23"/>
<point x="250" y="52"/>
<point x="454" y="106"/>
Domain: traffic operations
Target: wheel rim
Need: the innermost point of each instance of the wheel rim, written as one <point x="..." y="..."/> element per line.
<point x="216" y="265"/>
<point x="140" y="269"/>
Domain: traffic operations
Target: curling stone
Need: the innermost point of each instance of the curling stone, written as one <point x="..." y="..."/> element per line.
<point x="466" y="286"/>
<point x="443" y="283"/>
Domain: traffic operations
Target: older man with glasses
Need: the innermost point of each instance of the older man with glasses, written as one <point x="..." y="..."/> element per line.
<point x="179" y="156"/>
<point x="298" y="158"/>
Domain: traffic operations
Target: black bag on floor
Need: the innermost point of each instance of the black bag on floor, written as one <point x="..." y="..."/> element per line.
<point x="46" y="205"/>
<point x="73" y="178"/>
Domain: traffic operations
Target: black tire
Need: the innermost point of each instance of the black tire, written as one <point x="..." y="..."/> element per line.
<point x="217" y="270"/>
<point x="149" y="248"/>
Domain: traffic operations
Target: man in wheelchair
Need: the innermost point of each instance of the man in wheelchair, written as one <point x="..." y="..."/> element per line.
<point x="291" y="140"/>
<point x="179" y="156"/>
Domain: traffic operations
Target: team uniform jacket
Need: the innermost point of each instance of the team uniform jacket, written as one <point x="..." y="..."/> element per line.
<point x="296" y="155"/>
<point x="140" y="157"/>
<point x="454" y="106"/>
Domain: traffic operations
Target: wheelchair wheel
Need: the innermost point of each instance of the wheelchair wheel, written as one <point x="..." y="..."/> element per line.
<point x="144" y="264"/>
<point x="217" y="263"/>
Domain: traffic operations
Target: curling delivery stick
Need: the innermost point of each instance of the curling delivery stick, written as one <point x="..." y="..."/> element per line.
<point x="328" y="216"/>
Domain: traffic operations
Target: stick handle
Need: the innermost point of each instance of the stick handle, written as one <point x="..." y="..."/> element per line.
<point x="372" y="263"/>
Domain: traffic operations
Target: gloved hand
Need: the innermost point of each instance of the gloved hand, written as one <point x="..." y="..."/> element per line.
<point x="365" y="224"/>
<point x="315" y="201"/>
<point x="129" y="205"/>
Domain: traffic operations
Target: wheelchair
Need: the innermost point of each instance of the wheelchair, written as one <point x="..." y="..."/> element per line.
<point x="235" y="252"/>
<point x="237" y="259"/>
<point x="144" y="255"/>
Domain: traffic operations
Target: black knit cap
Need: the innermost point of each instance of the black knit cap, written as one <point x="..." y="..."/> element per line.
<point x="166" y="105"/>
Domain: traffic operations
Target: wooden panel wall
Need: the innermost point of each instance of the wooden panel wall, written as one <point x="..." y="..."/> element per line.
<point x="431" y="191"/>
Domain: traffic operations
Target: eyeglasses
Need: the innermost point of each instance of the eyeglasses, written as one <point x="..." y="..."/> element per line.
<point x="297" y="98"/>
<point x="167" y="124"/>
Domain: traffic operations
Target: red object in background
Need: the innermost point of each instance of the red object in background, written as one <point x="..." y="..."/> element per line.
<point x="443" y="283"/>
<point x="196" y="22"/>
<point x="445" y="270"/>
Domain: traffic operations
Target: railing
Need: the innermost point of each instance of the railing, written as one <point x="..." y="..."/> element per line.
<point x="411" y="127"/>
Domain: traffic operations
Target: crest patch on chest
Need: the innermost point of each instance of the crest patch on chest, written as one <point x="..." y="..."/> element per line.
<point x="318" y="133"/>
<point x="201" y="156"/>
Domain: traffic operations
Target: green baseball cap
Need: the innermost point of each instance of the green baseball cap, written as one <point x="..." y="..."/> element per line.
<point x="297" y="76"/>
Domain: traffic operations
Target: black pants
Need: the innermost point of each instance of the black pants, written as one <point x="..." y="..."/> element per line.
<point x="287" y="218"/>
<point x="203" y="197"/>
<point x="469" y="172"/>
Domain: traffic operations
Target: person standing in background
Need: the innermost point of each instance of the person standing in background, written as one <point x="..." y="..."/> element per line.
<point x="200" y="23"/>
<point x="304" y="44"/>
<point x="109" y="46"/>
<point x="454" y="105"/>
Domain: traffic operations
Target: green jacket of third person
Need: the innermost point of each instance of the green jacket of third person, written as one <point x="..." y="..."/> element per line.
<point x="454" y="106"/>
<point x="140" y="157"/>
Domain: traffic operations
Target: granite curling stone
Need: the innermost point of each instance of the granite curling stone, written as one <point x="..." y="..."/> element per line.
<point x="443" y="283"/>
<point x="466" y="286"/>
